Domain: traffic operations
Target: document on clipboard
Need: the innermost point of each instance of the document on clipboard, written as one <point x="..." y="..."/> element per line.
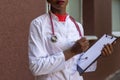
<point x="93" y="53"/>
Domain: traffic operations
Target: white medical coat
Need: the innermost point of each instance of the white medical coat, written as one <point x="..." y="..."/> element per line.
<point x="46" y="59"/>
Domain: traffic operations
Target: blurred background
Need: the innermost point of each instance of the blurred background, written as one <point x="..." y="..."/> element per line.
<point x="96" y="16"/>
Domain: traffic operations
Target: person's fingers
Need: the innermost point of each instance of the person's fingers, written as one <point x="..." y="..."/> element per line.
<point x="81" y="45"/>
<point x="103" y="53"/>
<point x="81" y="41"/>
<point x="84" y="44"/>
<point x="107" y="50"/>
<point x="111" y="47"/>
<point x="84" y="48"/>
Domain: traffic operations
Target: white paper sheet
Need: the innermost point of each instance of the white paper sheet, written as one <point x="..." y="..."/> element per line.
<point x="94" y="52"/>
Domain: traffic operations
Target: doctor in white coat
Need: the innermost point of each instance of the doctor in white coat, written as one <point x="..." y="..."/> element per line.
<point x="56" y="42"/>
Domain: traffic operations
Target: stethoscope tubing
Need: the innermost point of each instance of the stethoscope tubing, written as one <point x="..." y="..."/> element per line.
<point x="54" y="37"/>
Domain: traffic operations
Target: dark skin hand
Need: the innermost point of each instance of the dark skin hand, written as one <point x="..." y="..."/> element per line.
<point x="80" y="45"/>
<point x="108" y="49"/>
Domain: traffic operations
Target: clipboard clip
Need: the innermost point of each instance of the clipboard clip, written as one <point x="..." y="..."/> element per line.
<point x="111" y="37"/>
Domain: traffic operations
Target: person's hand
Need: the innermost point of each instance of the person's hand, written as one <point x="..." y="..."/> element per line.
<point x="80" y="46"/>
<point x="108" y="49"/>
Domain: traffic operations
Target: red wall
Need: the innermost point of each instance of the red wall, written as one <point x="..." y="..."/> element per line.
<point x="15" y="17"/>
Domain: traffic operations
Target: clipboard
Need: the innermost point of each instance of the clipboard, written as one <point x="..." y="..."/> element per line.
<point x="93" y="53"/>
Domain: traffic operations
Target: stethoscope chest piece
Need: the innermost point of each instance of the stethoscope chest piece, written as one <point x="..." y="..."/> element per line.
<point x="54" y="38"/>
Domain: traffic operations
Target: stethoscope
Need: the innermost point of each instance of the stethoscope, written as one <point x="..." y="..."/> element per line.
<point x="54" y="37"/>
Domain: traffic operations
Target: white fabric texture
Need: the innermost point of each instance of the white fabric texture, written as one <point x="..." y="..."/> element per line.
<point x="46" y="59"/>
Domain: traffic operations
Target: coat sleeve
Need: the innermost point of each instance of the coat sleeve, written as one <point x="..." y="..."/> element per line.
<point x="40" y="62"/>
